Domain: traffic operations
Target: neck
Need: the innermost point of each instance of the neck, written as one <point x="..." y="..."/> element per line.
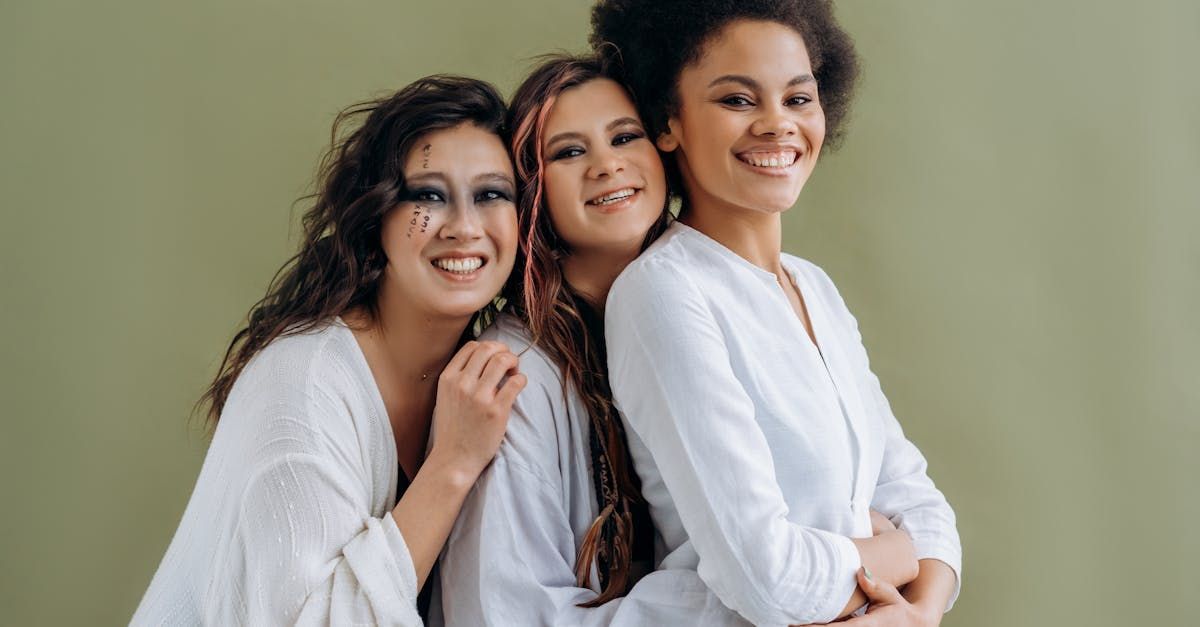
<point x="755" y="236"/>
<point x="416" y="344"/>
<point x="592" y="272"/>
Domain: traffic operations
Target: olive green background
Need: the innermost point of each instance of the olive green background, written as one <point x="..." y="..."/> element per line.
<point x="1012" y="219"/>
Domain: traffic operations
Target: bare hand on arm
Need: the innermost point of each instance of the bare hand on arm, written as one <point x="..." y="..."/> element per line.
<point x="889" y="555"/>
<point x="888" y="608"/>
<point x="468" y="424"/>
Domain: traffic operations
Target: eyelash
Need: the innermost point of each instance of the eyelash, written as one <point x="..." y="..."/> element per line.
<point x="491" y="195"/>
<point x="427" y="195"/>
<point x="487" y="195"/>
<point x="575" y="151"/>
<point x="746" y="102"/>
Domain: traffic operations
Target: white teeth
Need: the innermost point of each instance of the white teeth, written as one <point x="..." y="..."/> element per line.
<point x="459" y="265"/>
<point x="608" y="199"/>
<point x="770" y="160"/>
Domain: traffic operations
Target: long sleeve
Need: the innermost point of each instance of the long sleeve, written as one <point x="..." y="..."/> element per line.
<point x="307" y="551"/>
<point x="907" y="495"/>
<point x="289" y="521"/>
<point x="675" y="386"/>
<point x="904" y="491"/>
<point x="510" y="559"/>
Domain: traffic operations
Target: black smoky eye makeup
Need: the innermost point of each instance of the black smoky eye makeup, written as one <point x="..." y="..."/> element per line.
<point x="492" y="195"/>
<point x="566" y="153"/>
<point x="627" y="136"/>
<point x="423" y="194"/>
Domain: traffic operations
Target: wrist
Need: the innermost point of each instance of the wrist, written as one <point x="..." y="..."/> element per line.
<point x="928" y="609"/>
<point x="455" y="473"/>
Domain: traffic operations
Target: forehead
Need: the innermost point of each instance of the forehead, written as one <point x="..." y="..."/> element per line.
<point x="464" y="149"/>
<point x="594" y="103"/>
<point x="756" y="48"/>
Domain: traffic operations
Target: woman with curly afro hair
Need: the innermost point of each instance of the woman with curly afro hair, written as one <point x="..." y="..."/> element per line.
<point x="767" y="452"/>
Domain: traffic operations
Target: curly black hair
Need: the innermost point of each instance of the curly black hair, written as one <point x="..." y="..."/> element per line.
<point x="651" y="41"/>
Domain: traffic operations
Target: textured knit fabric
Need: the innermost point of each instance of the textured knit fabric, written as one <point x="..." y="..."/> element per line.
<point x="290" y="520"/>
<point x="510" y="559"/>
<point x="760" y="455"/>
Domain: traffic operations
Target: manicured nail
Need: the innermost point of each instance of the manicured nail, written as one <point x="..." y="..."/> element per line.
<point x="867" y="572"/>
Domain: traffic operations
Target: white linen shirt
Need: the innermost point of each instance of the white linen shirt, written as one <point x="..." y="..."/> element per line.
<point x="760" y="456"/>
<point x="290" y="520"/>
<point x="510" y="559"/>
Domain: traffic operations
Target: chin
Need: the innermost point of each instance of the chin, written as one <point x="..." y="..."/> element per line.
<point x="463" y="311"/>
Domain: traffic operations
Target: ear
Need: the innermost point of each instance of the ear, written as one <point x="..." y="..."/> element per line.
<point x="667" y="142"/>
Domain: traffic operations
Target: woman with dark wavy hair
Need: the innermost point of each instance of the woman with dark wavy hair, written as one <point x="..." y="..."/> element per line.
<point x="317" y="502"/>
<point x="761" y="437"/>
<point x="556" y="531"/>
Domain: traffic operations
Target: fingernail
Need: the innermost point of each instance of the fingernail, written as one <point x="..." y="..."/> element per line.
<point x="867" y="572"/>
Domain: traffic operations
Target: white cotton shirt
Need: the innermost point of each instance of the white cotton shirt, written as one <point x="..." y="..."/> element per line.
<point x="290" y="520"/>
<point x="510" y="559"/>
<point x="760" y="456"/>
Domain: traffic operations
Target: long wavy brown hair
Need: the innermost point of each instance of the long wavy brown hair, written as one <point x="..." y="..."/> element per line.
<point x="361" y="179"/>
<point x="571" y="329"/>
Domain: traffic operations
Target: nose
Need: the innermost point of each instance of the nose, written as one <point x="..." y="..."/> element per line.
<point x="605" y="162"/>
<point x="774" y="121"/>
<point x="461" y="224"/>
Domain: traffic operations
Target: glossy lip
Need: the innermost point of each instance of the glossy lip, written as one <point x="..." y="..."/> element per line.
<point x="769" y="171"/>
<point x="457" y="276"/>
<point x="620" y="205"/>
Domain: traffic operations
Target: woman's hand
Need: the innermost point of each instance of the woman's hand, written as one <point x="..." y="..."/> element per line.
<point x="472" y="406"/>
<point x="880" y="523"/>
<point x="887" y="608"/>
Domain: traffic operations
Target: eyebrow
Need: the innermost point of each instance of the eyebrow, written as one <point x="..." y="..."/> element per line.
<point x="430" y="177"/>
<point x="426" y="177"/>
<point x="496" y="177"/>
<point x="580" y="137"/>
<point x="754" y="85"/>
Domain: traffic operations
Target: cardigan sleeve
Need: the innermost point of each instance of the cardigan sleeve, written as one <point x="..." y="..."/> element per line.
<point x="676" y="388"/>
<point x="515" y="517"/>
<point x="307" y="550"/>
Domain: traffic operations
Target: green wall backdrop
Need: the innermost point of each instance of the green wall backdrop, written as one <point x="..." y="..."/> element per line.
<point x="1012" y="219"/>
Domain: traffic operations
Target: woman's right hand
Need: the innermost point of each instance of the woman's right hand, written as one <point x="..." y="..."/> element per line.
<point x="472" y="406"/>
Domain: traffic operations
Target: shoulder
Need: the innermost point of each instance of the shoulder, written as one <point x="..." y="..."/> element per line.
<point x="824" y="287"/>
<point x="545" y="413"/>
<point x="311" y="385"/>
<point x="667" y="274"/>
<point x="535" y="364"/>
<point x="813" y="274"/>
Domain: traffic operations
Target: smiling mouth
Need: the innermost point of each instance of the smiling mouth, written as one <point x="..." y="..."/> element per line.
<point x="775" y="160"/>
<point x="462" y="266"/>
<point x="612" y="198"/>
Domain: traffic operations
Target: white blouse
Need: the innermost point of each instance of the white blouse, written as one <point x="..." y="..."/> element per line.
<point x="290" y="520"/>
<point x="510" y="559"/>
<point x="760" y="456"/>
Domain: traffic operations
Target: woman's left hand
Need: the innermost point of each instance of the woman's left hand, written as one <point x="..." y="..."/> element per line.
<point x="886" y="607"/>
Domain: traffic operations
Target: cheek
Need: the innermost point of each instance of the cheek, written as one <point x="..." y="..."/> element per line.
<point x="655" y="176"/>
<point x="561" y="187"/>
<point x="814" y="128"/>
<point x="502" y="224"/>
<point x="711" y="139"/>
<point x="563" y="192"/>
<point x="405" y="230"/>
